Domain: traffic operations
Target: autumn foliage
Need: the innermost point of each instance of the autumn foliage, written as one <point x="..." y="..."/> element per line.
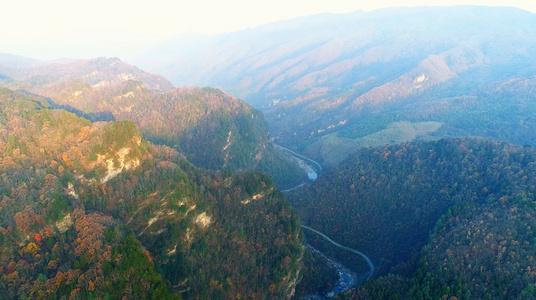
<point x="76" y="223"/>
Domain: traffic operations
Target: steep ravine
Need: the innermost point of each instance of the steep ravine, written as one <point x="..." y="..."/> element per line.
<point x="348" y="278"/>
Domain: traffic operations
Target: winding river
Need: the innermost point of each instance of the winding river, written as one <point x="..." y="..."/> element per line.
<point x="313" y="168"/>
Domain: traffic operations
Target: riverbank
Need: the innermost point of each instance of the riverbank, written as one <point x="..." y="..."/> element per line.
<point x="347" y="278"/>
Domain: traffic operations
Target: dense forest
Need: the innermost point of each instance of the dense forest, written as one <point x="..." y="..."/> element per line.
<point x="452" y="217"/>
<point x="92" y="210"/>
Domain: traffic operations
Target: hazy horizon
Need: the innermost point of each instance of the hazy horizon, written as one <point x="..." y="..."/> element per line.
<point x="61" y="29"/>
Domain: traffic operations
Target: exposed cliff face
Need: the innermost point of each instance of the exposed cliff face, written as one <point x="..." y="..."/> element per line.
<point x="294" y="276"/>
<point x="117" y="163"/>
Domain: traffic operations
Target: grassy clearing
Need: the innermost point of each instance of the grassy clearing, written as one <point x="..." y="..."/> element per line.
<point x="332" y="149"/>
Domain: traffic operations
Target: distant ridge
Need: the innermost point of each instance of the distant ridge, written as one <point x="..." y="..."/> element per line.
<point x="15" y="61"/>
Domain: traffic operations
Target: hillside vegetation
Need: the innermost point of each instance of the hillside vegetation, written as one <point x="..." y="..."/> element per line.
<point x="92" y="210"/>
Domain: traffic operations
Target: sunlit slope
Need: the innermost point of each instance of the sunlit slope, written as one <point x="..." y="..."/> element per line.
<point x="213" y="129"/>
<point x="94" y="210"/>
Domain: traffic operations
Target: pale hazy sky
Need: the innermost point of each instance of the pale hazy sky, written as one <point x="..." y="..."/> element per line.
<point x="51" y="29"/>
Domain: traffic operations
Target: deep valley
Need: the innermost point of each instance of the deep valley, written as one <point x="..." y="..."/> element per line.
<point x="387" y="154"/>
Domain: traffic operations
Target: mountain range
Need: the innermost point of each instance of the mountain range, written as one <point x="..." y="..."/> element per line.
<point x="326" y="83"/>
<point x="91" y="208"/>
<point x="214" y="130"/>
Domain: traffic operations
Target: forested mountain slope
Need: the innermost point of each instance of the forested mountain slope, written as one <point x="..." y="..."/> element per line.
<point x="93" y="210"/>
<point x="452" y="217"/>
<point x="330" y="84"/>
<point x="214" y="130"/>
